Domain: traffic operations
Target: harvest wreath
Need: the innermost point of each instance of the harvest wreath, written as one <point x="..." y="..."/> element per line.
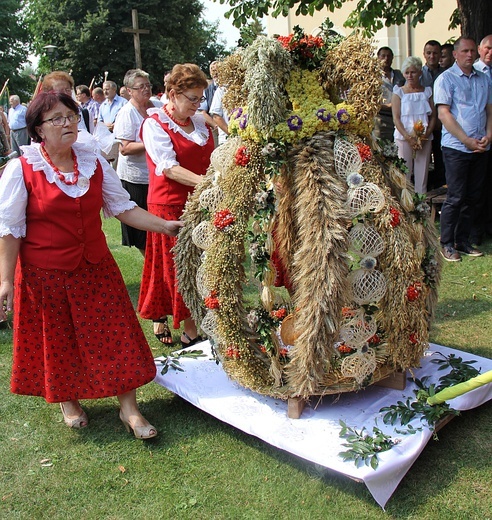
<point x="326" y="213"/>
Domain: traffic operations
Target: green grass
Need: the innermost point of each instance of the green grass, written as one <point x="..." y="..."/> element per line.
<point x="200" y="468"/>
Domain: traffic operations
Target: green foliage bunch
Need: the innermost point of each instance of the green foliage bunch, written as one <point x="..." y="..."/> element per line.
<point x="14" y="49"/>
<point x="474" y="16"/>
<point x="90" y="40"/>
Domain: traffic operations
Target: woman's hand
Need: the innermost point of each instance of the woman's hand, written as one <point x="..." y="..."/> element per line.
<point x="141" y="219"/>
<point x="6" y="299"/>
<point x="172" y="227"/>
<point x="413" y="142"/>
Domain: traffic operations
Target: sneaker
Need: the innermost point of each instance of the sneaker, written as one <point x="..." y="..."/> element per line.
<point x="468" y="250"/>
<point x="450" y="254"/>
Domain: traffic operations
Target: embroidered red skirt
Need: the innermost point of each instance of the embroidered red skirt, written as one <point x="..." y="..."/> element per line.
<point x="76" y="335"/>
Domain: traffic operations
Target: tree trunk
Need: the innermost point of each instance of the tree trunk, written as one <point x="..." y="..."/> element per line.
<point x="476" y="18"/>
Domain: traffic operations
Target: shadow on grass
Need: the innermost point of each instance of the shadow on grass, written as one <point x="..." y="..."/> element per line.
<point x="181" y="424"/>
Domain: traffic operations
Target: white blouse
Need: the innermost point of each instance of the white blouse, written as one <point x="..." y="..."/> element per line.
<point x="415" y="106"/>
<point x="14" y="196"/>
<point x="158" y="144"/>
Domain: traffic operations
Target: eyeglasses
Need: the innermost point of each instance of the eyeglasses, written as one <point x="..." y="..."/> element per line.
<point x="60" y="120"/>
<point x="145" y="86"/>
<point x="194" y="100"/>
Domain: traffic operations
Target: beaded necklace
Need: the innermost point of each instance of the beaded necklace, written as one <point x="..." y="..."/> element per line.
<point x="59" y="174"/>
<point x="186" y="122"/>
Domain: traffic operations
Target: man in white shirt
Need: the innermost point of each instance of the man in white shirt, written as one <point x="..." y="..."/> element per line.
<point x="220" y="115"/>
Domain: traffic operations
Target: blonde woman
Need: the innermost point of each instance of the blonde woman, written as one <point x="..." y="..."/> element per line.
<point x="414" y="116"/>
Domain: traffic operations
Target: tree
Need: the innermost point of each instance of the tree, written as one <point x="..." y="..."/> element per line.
<point x="90" y="40"/>
<point x="474" y="16"/>
<point x="249" y="32"/>
<point x="14" y="49"/>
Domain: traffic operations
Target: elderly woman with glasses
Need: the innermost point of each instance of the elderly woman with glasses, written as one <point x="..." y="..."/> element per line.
<point x="132" y="167"/>
<point x="178" y="145"/>
<point x="76" y="335"/>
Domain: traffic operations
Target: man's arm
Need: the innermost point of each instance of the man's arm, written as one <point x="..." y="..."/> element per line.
<point x="220" y="122"/>
<point x="454" y="128"/>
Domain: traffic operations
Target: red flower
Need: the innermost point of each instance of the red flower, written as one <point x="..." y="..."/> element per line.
<point x="364" y="152"/>
<point x="211" y="301"/>
<point x="413" y="338"/>
<point x="280" y="314"/>
<point x="374" y="340"/>
<point x="348" y="312"/>
<point x="223" y="219"/>
<point x="345" y="349"/>
<point x="233" y="352"/>
<point x="395" y="217"/>
<point x="285" y="41"/>
<point x="283" y="352"/>
<point x="413" y="292"/>
<point x="242" y="156"/>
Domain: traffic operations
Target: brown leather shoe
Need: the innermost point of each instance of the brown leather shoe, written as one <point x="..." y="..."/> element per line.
<point x="468" y="250"/>
<point x="450" y="254"/>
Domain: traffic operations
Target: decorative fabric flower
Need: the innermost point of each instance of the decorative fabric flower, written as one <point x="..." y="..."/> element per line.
<point x="364" y="152"/>
<point x="243" y="121"/>
<point x="395" y="217"/>
<point x="252" y="319"/>
<point x="354" y="180"/>
<point x="413" y="338"/>
<point x="223" y="219"/>
<point x="294" y="123"/>
<point x="242" y="156"/>
<point x="368" y="263"/>
<point x="323" y="115"/>
<point x="237" y="113"/>
<point x="343" y="116"/>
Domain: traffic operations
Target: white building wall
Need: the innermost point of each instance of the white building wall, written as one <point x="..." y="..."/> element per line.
<point x="404" y="41"/>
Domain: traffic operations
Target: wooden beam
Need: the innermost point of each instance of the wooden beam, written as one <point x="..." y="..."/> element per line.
<point x="136" y="31"/>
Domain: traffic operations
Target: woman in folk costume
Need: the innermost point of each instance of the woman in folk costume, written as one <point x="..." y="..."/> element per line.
<point x="76" y="335"/>
<point x="178" y="144"/>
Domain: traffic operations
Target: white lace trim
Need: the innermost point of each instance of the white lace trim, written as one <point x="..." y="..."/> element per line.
<point x="16" y="232"/>
<point x="86" y="160"/>
<point x="200" y="133"/>
<point x="112" y="210"/>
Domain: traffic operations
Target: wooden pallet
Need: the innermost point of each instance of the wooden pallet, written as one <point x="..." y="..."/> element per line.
<point x="396" y="380"/>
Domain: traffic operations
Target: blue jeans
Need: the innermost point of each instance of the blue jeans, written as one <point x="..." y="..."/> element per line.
<point x="465" y="175"/>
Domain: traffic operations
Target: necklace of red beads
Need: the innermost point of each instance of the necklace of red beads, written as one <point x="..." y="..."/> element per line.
<point x="187" y="121"/>
<point x="59" y="174"/>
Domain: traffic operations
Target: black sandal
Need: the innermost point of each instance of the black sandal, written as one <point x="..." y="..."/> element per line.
<point x="165" y="337"/>
<point x="191" y="342"/>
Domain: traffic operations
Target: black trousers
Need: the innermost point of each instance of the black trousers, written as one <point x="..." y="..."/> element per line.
<point x="465" y="175"/>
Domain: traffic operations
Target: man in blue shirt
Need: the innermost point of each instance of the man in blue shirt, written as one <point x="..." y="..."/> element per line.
<point x="463" y="97"/>
<point x="110" y="107"/>
<point x="108" y="110"/>
<point x="17" y="122"/>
